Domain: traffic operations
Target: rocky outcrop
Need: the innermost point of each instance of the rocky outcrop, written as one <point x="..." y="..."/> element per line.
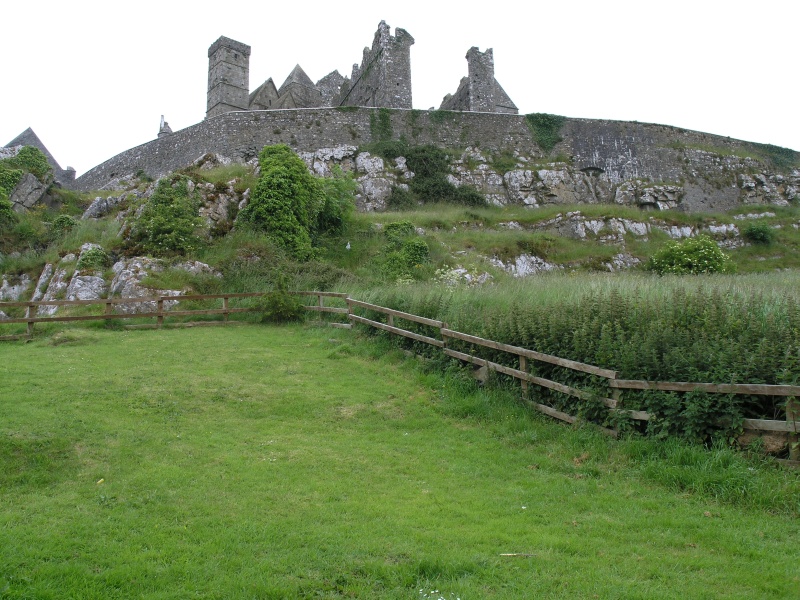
<point x="13" y="288"/>
<point x="64" y="281"/>
<point x="128" y="275"/>
<point x="28" y="193"/>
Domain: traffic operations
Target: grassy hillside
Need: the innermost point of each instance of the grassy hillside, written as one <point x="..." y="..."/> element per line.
<point x="293" y="462"/>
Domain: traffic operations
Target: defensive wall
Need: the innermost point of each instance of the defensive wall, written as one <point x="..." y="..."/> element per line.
<point x="616" y="151"/>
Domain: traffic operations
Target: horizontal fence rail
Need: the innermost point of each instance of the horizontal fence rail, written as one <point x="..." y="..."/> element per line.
<point x="791" y="426"/>
<point x="163" y="308"/>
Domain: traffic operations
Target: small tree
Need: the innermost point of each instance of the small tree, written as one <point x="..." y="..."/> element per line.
<point x="169" y="221"/>
<point x="691" y="256"/>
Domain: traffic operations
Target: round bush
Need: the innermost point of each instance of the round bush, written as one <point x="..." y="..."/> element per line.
<point x="691" y="256"/>
<point x="62" y="224"/>
<point x="759" y="233"/>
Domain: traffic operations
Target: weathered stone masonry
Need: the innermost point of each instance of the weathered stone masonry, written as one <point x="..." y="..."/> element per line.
<point x="604" y="154"/>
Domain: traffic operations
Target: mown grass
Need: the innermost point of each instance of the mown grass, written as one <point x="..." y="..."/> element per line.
<point x="296" y="462"/>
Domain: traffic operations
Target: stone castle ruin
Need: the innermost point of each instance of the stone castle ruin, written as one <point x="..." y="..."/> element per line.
<point x="333" y="122"/>
<point x="479" y="91"/>
<point x="382" y="80"/>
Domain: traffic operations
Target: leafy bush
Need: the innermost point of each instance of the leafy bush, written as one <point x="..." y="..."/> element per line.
<point x="7" y="216"/>
<point x="94" y="258"/>
<point x="33" y="161"/>
<point x="169" y="222"/>
<point x="9" y="178"/>
<point x="403" y="262"/>
<point x="398" y="231"/>
<point x="61" y="225"/>
<point x="279" y="306"/>
<point x="430" y="166"/>
<point x="759" y="233"/>
<point x="691" y="256"/>
<point x="415" y="252"/>
<point x="286" y="202"/>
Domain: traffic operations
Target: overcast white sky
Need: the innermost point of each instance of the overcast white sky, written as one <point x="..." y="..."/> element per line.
<point x="92" y="78"/>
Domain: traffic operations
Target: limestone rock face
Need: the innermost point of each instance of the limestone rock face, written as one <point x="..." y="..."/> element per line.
<point x="56" y="289"/>
<point x="128" y="275"/>
<point x="28" y="193"/>
<point x="12" y="288"/>
<point x="100" y="206"/>
<point x="85" y="287"/>
<point x="525" y="265"/>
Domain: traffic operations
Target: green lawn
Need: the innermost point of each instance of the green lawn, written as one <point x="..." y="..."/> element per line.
<point x="286" y="462"/>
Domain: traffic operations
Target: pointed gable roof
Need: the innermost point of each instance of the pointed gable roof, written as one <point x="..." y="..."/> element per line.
<point x="264" y="96"/>
<point x="297" y="76"/>
<point x="29" y="138"/>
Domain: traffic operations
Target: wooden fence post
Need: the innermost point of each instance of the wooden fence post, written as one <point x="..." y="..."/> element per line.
<point x="107" y="311"/>
<point x="390" y="320"/>
<point x="29" y="315"/>
<point x="523" y="366"/>
<point x="320" y="303"/>
<point x="225" y="308"/>
<point x="160" y="312"/>
<point x="792" y="415"/>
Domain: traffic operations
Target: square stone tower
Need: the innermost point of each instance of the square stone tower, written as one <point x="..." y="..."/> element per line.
<point x="228" y="77"/>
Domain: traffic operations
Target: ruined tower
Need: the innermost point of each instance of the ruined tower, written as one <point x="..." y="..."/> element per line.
<point x="479" y="91"/>
<point x="228" y="77"/>
<point x="384" y="77"/>
<point x="480" y="75"/>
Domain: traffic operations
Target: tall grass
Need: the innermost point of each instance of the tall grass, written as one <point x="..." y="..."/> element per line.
<point x="704" y="329"/>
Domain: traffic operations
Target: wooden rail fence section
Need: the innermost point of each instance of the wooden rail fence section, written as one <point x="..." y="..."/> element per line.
<point x="162" y="304"/>
<point x="790" y="426"/>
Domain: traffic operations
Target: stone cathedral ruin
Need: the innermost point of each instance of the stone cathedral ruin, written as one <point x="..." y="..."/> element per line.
<point x="382" y="80"/>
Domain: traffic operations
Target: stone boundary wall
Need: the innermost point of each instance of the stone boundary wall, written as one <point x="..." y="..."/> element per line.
<point x="614" y="150"/>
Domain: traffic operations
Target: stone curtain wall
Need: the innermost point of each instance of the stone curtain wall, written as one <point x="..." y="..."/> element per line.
<point x="609" y="153"/>
<point x="241" y="135"/>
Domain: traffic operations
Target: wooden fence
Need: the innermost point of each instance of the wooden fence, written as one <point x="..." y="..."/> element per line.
<point x="788" y="428"/>
<point x="159" y="308"/>
<point x="162" y="308"/>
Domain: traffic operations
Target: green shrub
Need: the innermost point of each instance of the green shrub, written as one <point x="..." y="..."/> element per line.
<point x="286" y="202"/>
<point x="93" y="259"/>
<point x="61" y="225"/>
<point x="691" y="256"/>
<point x="397" y="232"/>
<point x="504" y="161"/>
<point x="279" y="306"/>
<point x="31" y="160"/>
<point x="404" y="262"/>
<point x="430" y="166"/>
<point x="9" y="178"/>
<point x="759" y="233"/>
<point x="169" y="222"/>
<point x="7" y="215"/>
<point x="415" y="252"/>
